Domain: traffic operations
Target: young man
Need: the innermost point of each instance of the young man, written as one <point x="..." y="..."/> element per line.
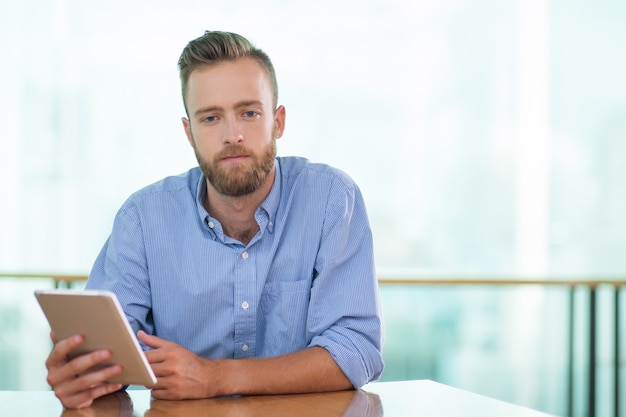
<point x="250" y="274"/>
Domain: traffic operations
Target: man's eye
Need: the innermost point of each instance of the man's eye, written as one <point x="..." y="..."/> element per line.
<point x="250" y="113"/>
<point x="210" y="119"/>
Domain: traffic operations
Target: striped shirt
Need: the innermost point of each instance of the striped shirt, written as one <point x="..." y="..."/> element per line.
<point x="305" y="279"/>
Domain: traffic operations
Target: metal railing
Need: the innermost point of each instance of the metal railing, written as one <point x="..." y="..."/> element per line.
<point x="592" y="286"/>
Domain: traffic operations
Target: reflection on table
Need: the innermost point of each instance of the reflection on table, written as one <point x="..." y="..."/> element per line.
<point x="391" y="399"/>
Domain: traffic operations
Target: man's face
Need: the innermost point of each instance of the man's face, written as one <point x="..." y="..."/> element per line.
<point x="232" y="125"/>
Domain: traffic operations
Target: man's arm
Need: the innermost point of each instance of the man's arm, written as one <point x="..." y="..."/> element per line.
<point x="344" y="310"/>
<point x="182" y="374"/>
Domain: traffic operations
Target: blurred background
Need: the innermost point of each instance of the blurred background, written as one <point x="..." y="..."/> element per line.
<point x="488" y="138"/>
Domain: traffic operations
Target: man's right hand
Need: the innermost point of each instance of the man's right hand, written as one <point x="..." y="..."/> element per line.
<point x="72" y="384"/>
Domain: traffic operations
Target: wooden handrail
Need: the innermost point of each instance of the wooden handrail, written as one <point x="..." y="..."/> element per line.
<point x="75" y="277"/>
<point x="588" y="282"/>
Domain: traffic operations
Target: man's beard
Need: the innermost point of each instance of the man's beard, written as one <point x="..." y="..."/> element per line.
<point x="238" y="180"/>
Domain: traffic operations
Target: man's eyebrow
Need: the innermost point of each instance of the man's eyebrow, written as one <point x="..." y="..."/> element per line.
<point x="246" y="103"/>
<point x="239" y="104"/>
<point x="207" y="109"/>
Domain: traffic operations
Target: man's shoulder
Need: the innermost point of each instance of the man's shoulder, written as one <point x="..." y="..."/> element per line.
<point x="168" y="188"/>
<point x="185" y="180"/>
<point x="294" y="167"/>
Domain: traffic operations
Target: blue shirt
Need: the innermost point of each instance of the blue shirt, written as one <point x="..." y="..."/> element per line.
<point x="305" y="279"/>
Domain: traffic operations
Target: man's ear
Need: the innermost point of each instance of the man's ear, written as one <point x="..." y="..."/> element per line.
<point x="279" y="121"/>
<point x="187" y="127"/>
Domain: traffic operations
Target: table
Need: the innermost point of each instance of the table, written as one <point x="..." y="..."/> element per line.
<point x="422" y="398"/>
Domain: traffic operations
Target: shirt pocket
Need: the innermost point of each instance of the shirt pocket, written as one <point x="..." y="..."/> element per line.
<point x="284" y="309"/>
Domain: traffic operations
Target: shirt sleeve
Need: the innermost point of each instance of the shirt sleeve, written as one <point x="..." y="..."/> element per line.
<point x="121" y="267"/>
<point x="344" y="312"/>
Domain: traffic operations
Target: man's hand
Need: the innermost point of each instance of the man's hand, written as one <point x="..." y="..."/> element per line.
<point x="180" y="373"/>
<point x="70" y="379"/>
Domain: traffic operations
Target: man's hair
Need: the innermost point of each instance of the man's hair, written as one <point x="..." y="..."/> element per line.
<point x="214" y="47"/>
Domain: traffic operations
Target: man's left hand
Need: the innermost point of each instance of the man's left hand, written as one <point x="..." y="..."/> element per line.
<point x="181" y="374"/>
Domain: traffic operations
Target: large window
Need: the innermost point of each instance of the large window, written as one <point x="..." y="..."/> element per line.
<point x="485" y="134"/>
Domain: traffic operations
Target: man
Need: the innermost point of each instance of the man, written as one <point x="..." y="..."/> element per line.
<point x="252" y="274"/>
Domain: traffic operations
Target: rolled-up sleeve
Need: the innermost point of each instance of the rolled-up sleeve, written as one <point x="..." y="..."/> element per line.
<point x="344" y="313"/>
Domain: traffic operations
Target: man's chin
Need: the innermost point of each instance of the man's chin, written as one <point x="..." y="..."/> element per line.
<point x="239" y="190"/>
<point x="240" y="168"/>
<point x="236" y="185"/>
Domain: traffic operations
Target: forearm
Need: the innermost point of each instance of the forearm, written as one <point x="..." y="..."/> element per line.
<point x="308" y="370"/>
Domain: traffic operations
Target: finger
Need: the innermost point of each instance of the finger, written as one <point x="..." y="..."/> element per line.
<point x="58" y="355"/>
<point x="152" y="341"/>
<point x="77" y="366"/>
<point x="163" y="391"/>
<point x="85" y="383"/>
<point x="161" y="369"/>
<point x="157" y="358"/>
<point x="161" y="394"/>
<point x="85" y="398"/>
<point x="162" y="382"/>
<point x="53" y="337"/>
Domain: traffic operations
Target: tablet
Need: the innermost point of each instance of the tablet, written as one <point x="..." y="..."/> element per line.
<point x="98" y="316"/>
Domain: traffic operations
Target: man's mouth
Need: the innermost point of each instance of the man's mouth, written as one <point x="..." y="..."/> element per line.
<point x="234" y="158"/>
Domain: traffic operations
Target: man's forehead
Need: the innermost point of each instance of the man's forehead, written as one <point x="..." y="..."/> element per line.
<point x="240" y="80"/>
<point x="237" y="70"/>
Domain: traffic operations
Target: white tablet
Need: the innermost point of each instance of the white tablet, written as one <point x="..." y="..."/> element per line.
<point x="98" y="316"/>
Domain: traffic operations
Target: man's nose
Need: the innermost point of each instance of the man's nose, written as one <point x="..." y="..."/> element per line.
<point x="232" y="134"/>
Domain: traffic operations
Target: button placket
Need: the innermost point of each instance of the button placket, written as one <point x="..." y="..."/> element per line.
<point x="245" y="311"/>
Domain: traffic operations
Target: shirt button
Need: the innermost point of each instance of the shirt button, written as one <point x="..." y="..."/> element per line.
<point x="270" y="224"/>
<point x="244" y="348"/>
<point x="244" y="255"/>
<point x="211" y="225"/>
<point x="245" y="305"/>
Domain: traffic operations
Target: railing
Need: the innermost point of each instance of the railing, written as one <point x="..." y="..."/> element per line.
<point x="59" y="280"/>
<point x="67" y="280"/>
<point x="592" y="285"/>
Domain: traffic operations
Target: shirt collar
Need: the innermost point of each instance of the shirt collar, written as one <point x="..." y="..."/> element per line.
<point x="270" y="204"/>
<point x="200" y="197"/>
